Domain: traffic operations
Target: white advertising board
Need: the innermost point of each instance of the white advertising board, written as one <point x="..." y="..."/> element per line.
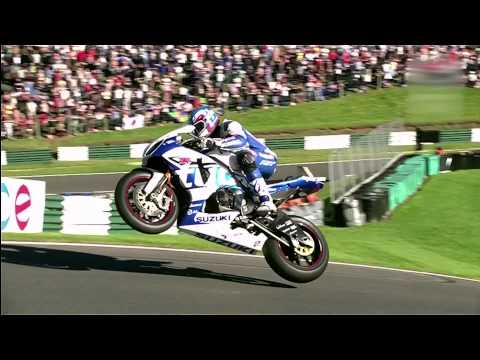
<point x="133" y="122"/>
<point x="398" y="138"/>
<point x="327" y="142"/>
<point x="476" y="135"/>
<point x="136" y="150"/>
<point x="23" y="205"/>
<point x="72" y="153"/>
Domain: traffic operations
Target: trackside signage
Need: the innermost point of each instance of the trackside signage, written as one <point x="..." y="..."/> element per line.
<point x="23" y="205"/>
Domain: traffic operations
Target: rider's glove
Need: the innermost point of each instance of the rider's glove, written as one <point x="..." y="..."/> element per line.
<point x="210" y="144"/>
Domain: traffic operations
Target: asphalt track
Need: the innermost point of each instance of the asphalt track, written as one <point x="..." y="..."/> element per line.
<point x="59" y="279"/>
<point x="107" y="182"/>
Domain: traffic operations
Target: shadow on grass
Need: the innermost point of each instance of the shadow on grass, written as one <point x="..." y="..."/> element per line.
<point x="74" y="260"/>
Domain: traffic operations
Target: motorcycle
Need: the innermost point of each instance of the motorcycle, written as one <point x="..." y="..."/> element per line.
<point x="206" y="194"/>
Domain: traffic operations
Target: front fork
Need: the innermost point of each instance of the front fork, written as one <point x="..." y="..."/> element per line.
<point x="157" y="180"/>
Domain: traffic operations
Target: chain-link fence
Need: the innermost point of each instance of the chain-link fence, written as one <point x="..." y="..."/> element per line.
<point x="367" y="155"/>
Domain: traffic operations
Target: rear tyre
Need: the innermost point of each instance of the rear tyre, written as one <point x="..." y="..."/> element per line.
<point x="292" y="266"/>
<point x="134" y="214"/>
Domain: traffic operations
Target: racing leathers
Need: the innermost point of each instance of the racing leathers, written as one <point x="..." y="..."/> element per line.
<point x="256" y="160"/>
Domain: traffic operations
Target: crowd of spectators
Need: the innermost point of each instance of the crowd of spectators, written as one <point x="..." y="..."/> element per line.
<point x="66" y="89"/>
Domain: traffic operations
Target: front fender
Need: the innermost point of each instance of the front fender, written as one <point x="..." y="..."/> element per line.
<point x="150" y="170"/>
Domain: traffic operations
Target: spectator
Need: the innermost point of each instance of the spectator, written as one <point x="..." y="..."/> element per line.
<point x="86" y="88"/>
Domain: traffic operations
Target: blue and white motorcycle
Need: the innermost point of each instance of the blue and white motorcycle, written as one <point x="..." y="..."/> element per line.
<point x="205" y="193"/>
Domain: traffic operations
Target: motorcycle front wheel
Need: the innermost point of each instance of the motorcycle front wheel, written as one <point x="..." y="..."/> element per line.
<point x="295" y="267"/>
<point x="144" y="213"/>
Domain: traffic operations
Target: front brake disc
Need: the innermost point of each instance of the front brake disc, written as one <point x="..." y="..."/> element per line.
<point x="144" y="205"/>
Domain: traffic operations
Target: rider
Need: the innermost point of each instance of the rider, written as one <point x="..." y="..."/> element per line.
<point x="256" y="160"/>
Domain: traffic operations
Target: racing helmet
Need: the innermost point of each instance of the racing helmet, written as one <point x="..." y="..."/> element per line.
<point x="205" y="121"/>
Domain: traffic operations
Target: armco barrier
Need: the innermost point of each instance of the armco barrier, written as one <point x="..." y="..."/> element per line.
<point x="456" y="135"/>
<point x="30" y="156"/>
<point x="293" y="143"/>
<point x="109" y="152"/>
<point x="340" y="141"/>
<point x="363" y="139"/>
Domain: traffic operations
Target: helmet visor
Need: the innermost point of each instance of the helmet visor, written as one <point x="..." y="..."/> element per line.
<point x="199" y="127"/>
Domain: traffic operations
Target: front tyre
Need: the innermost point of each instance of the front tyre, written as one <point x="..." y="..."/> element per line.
<point x="152" y="214"/>
<point x="294" y="267"/>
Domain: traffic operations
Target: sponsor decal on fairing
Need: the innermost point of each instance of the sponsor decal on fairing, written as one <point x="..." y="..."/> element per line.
<point x="205" y="218"/>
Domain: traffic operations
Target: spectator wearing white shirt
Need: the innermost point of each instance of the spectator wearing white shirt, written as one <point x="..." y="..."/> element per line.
<point x="285" y="96"/>
<point x="64" y="94"/>
<point x="31" y="107"/>
<point x="127" y="98"/>
<point x="139" y="94"/>
<point x="44" y="108"/>
<point x="148" y="74"/>
<point x="118" y="96"/>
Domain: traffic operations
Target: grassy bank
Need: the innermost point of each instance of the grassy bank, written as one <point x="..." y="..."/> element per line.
<point x="435" y="231"/>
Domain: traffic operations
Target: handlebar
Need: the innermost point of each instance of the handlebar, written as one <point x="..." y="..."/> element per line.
<point x="203" y="140"/>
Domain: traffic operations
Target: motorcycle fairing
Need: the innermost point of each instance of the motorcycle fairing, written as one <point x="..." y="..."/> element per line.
<point x="201" y="176"/>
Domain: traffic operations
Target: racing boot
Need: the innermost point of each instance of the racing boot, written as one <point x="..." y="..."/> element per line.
<point x="266" y="201"/>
